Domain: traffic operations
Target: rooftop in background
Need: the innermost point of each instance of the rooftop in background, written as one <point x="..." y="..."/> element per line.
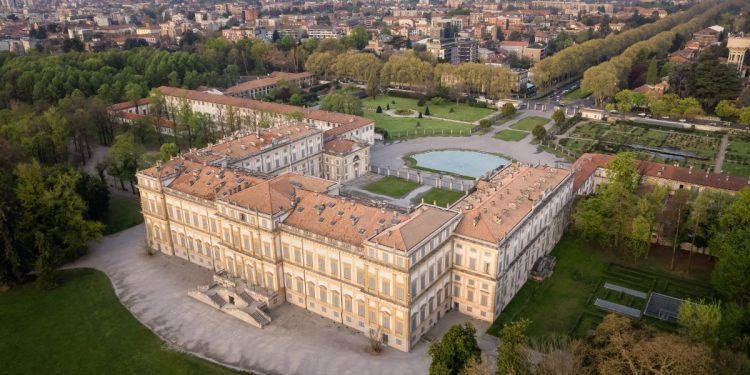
<point x="242" y="145"/>
<point x="588" y="163"/>
<point x="498" y="205"/>
<point x="279" y="193"/>
<point x="273" y="79"/>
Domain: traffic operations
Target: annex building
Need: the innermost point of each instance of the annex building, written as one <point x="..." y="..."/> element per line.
<point x="284" y="235"/>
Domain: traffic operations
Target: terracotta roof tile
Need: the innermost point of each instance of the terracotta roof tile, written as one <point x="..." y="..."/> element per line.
<point x="424" y="221"/>
<point x="277" y="194"/>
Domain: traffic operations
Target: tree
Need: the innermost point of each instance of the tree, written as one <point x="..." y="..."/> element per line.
<point x="168" y="150"/>
<point x="617" y="347"/>
<point x="454" y="350"/>
<point x="652" y="76"/>
<point x="427" y="110"/>
<point x="512" y="355"/>
<point x="508" y="109"/>
<point x="379" y="109"/>
<point x="95" y="194"/>
<point x="715" y="81"/>
<point x="539" y="132"/>
<point x="726" y="110"/>
<point x="52" y="216"/>
<point x="515" y="36"/>
<point x="124" y="159"/>
<point x="731" y="276"/>
<point x="559" y="116"/>
<point x="700" y="321"/>
<point x="342" y="102"/>
<point x="642" y="226"/>
<point x="359" y="37"/>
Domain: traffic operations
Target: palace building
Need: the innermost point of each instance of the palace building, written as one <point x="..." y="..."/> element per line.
<point x="274" y="232"/>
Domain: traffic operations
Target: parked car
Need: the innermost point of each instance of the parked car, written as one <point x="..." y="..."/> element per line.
<point x="642" y="114"/>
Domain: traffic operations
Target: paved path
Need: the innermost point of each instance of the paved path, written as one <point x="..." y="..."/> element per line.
<point x="389" y="155"/>
<point x="722" y="153"/>
<point x="154" y="288"/>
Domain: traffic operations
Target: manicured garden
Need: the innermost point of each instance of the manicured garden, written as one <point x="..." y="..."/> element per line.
<point x="392" y="186"/>
<point x="438" y="108"/>
<point x="403" y="127"/>
<point x="579" y="277"/>
<point x="511" y="135"/>
<point x="529" y="123"/>
<point x="82" y="328"/>
<point x="737" y="158"/>
<point x="441" y="197"/>
<point x="123" y="214"/>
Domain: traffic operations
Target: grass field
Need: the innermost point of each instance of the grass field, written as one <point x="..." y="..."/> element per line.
<point x="441" y="197"/>
<point x="529" y="123"/>
<point x="576" y="94"/>
<point x="461" y="112"/>
<point x="736" y="169"/>
<point x="399" y="126"/>
<point x="578" y="277"/>
<point x="392" y="186"/>
<point x="511" y="135"/>
<point x="123" y="214"/>
<point x="81" y="328"/>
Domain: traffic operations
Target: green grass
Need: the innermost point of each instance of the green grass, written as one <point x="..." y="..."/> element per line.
<point x="407" y="126"/>
<point x="392" y="186"/>
<point x="577" y="280"/>
<point x="511" y="135"/>
<point x="441" y="197"/>
<point x="82" y="328"/>
<point x="529" y="123"/>
<point x="461" y="112"/>
<point x="576" y="94"/>
<point x="123" y="214"/>
<point x="736" y="169"/>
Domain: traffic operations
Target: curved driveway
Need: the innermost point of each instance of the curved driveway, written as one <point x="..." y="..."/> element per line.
<point x="390" y="155"/>
<point x="154" y="288"/>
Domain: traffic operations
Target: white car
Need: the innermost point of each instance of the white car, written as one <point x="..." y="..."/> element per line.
<point x="683" y="120"/>
<point x="665" y="117"/>
<point x="642" y="114"/>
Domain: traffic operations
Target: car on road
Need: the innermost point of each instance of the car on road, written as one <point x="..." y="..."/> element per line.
<point x="642" y="114"/>
<point x="683" y="120"/>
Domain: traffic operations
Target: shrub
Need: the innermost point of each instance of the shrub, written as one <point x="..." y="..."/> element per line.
<point x="419" y="125"/>
<point x="379" y="109"/>
<point x="478" y="104"/>
<point x="426" y="110"/>
<point x="451" y="110"/>
<point x="438" y="100"/>
<point x="484" y="124"/>
<point x="508" y="109"/>
<point x="420" y="114"/>
<point x="420" y="102"/>
<point x="393" y="101"/>
<point x="387" y="106"/>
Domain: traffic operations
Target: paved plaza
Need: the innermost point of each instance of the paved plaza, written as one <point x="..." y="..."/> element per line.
<point x="154" y="288"/>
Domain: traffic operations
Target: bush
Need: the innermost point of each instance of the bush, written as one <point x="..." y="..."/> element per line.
<point x="379" y="109"/>
<point x="451" y="110"/>
<point x="484" y="124"/>
<point x="426" y="110"/>
<point x="393" y="101"/>
<point x="420" y="102"/>
<point x="508" y="109"/>
<point x="420" y="114"/>
<point x="438" y="100"/>
<point x="478" y="104"/>
<point x="388" y="107"/>
<point x="419" y="125"/>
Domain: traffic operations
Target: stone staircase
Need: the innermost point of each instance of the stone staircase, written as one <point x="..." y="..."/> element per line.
<point x="228" y="297"/>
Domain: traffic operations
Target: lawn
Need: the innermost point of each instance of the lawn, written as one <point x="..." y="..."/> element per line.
<point x="529" y="123"/>
<point x="511" y="135"/>
<point x="398" y="127"/>
<point x="82" y="328"/>
<point x="392" y="186"/>
<point x="441" y="197"/>
<point x="577" y="280"/>
<point x="576" y="94"/>
<point x="461" y="112"/>
<point x="123" y="214"/>
<point x="736" y="169"/>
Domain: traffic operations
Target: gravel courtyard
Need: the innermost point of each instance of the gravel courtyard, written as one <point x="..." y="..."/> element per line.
<point x="154" y="288"/>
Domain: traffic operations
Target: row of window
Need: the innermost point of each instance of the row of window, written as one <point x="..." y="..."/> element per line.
<point x="427" y="277"/>
<point x="426" y="309"/>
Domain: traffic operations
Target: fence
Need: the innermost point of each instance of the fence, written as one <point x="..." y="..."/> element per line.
<point x="426" y="178"/>
<point x="431" y="132"/>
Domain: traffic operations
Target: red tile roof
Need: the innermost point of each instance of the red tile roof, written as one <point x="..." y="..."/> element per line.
<point x="588" y="163"/>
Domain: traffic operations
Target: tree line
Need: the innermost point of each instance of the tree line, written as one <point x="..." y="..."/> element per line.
<point x="604" y="80"/>
<point x="576" y="58"/>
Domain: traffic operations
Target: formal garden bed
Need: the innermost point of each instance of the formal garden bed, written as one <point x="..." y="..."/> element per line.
<point x="441" y="107"/>
<point x="529" y="123"/>
<point x="511" y="135"/>
<point x="409" y="127"/>
<point x="392" y="186"/>
<point x="737" y="158"/>
<point x="441" y="197"/>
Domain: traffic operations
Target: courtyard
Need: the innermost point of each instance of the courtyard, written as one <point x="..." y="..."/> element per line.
<point x="580" y="276"/>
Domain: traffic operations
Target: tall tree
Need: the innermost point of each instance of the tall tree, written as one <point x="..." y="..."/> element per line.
<point x="731" y="277"/>
<point x="512" y="357"/>
<point x="52" y="215"/>
<point x="454" y="350"/>
<point x="652" y="76"/>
